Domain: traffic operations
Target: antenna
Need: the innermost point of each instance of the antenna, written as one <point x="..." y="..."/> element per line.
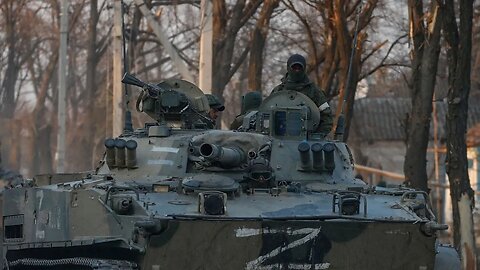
<point x="128" y="126"/>
<point x="340" y="127"/>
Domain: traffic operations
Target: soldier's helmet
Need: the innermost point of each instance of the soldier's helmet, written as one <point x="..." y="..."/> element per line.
<point x="214" y="102"/>
<point x="251" y="101"/>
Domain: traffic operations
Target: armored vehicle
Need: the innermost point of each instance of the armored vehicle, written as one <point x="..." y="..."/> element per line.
<point x="273" y="194"/>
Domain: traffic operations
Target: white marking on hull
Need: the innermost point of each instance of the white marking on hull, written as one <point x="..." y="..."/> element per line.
<point x="160" y="162"/>
<point x="165" y="149"/>
<point x="40" y="234"/>
<point x="40" y="197"/>
<point x="248" y="232"/>
<point x="310" y="234"/>
<point x="295" y="266"/>
<point x="59" y="218"/>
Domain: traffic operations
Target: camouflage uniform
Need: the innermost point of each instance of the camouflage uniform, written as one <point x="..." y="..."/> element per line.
<point x="301" y="83"/>
<point x="216" y="105"/>
<point x="212" y="124"/>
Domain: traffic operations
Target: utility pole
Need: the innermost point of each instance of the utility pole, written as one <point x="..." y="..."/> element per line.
<point x="206" y="47"/>
<point x="172" y="52"/>
<point x="62" y="87"/>
<point x="117" y="100"/>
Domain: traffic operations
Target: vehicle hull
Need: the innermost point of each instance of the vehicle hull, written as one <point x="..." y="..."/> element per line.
<point x="187" y="244"/>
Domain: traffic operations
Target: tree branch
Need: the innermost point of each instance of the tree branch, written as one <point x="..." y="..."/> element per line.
<point x="382" y="62"/>
<point x="239" y="62"/>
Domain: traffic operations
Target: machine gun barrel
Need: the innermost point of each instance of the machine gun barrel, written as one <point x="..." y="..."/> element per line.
<point x="132" y="80"/>
<point x="153" y="90"/>
<point x="226" y="156"/>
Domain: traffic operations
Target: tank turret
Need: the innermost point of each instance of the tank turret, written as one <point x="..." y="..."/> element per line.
<point x="175" y="103"/>
<point x="285" y="114"/>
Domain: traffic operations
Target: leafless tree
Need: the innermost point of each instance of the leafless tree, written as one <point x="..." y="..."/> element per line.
<point x="227" y="23"/>
<point x="459" y="54"/>
<point x="425" y="36"/>
<point x="17" y="47"/>
<point x="259" y="37"/>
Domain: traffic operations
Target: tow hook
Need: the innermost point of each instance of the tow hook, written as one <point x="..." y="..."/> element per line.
<point x="431" y="227"/>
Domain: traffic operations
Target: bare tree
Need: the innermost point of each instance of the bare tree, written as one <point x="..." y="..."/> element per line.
<point x="227" y="23"/>
<point x="11" y="13"/>
<point x="16" y="44"/>
<point x="259" y="37"/>
<point x="90" y="78"/>
<point x="348" y="82"/>
<point x="95" y="47"/>
<point x="459" y="53"/>
<point x="40" y="128"/>
<point x="425" y="36"/>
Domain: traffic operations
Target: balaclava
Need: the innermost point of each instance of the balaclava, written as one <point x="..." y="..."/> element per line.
<point x="296" y="75"/>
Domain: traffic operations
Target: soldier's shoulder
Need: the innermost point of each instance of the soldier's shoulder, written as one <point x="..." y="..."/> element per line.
<point x="318" y="90"/>
<point x="278" y="88"/>
<point x="314" y="86"/>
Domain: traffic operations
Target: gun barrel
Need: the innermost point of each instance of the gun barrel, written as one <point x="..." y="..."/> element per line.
<point x="226" y="156"/>
<point x="132" y="80"/>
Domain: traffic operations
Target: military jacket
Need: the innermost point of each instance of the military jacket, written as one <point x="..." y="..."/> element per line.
<point x="309" y="89"/>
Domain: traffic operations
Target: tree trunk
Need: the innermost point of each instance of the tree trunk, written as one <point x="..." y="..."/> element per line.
<point x="90" y="85"/>
<point x="44" y="153"/>
<point x="10" y="144"/>
<point x="224" y="40"/>
<point x="226" y="25"/>
<point x="255" y="68"/>
<point x="344" y="38"/>
<point x="14" y="143"/>
<point x="459" y="54"/>
<point x="39" y="119"/>
<point x="426" y="48"/>
<point x="331" y="62"/>
<point x="7" y="89"/>
<point x="133" y="34"/>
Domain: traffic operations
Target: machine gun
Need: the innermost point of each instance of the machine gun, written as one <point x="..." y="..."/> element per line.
<point x="152" y="89"/>
<point x="175" y="102"/>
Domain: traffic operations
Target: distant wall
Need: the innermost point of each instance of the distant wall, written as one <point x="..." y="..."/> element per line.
<point x="389" y="156"/>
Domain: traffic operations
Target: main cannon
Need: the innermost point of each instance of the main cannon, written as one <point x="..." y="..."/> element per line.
<point x="225" y="156"/>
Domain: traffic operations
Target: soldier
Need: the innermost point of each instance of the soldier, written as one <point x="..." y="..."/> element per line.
<point x="296" y="79"/>
<point x="250" y="101"/>
<point x="215" y="108"/>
